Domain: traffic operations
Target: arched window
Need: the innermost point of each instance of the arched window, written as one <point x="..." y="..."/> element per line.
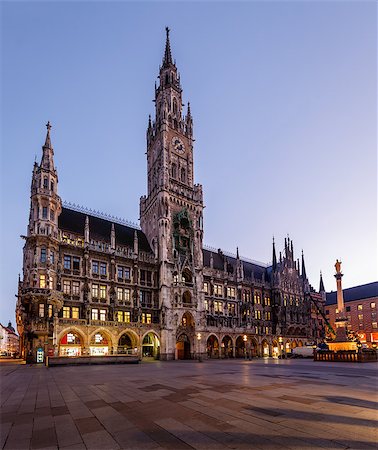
<point x="174" y="170"/>
<point x="175" y="124"/>
<point x="183" y="175"/>
<point x="52" y="186"/>
<point x="166" y="78"/>
<point x="45" y="182"/>
<point x="174" y="106"/>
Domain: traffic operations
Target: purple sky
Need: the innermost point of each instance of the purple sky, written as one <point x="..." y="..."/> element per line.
<point x="283" y="96"/>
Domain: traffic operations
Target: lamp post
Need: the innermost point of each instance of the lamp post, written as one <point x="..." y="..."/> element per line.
<point x="281" y="346"/>
<point x="245" y="346"/>
<point x="199" y="346"/>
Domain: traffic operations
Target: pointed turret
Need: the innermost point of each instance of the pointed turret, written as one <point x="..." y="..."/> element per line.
<point x="86" y="230"/>
<point x="136" y="244"/>
<point x="304" y="276"/>
<point x="321" y="284"/>
<point x="47" y="161"/>
<point x="274" y="257"/>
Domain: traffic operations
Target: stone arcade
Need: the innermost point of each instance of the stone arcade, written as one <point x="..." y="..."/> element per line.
<point x="96" y="285"/>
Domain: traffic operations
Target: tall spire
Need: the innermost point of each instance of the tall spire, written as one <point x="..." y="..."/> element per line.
<point x="47" y="161"/>
<point x="48" y="140"/>
<point x="321" y="284"/>
<point x="304" y="276"/>
<point x="274" y="258"/>
<point x="167" y="61"/>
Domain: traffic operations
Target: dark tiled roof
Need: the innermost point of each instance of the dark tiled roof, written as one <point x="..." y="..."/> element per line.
<point x="100" y="229"/>
<point x="355" y="293"/>
<point x="218" y="263"/>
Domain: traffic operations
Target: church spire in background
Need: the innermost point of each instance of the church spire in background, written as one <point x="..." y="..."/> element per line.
<point x="167" y="60"/>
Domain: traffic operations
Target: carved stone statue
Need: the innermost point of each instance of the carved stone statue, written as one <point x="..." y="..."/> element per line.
<point x="338" y="266"/>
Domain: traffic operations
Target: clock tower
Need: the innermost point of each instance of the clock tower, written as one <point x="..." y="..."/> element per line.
<point x="171" y="215"/>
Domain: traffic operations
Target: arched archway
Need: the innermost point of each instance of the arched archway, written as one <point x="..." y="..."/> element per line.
<point x="126" y="344"/>
<point x="240" y="347"/>
<point x="71" y="344"/>
<point x="187" y="320"/>
<point x="294" y="344"/>
<point x="183" y="347"/>
<point x="265" y="349"/>
<point x="227" y="347"/>
<point x="100" y="344"/>
<point x="187" y="298"/>
<point x="212" y="346"/>
<point x="151" y="346"/>
<point x="275" y="349"/>
<point x="254" y="348"/>
<point x="300" y="344"/>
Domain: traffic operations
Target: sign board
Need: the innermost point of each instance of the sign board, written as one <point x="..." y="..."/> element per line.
<point x="374" y="337"/>
<point x="40" y="355"/>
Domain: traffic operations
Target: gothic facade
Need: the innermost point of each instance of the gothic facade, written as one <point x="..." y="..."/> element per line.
<point x="96" y="285"/>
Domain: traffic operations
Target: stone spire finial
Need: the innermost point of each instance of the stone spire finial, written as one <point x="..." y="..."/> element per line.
<point x="48" y="139"/>
<point x="321" y="284"/>
<point x="304" y="275"/>
<point x="274" y="257"/>
<point x="112" y="237"/>
<point x="86" y="230"/>
<point x="167" y="61"/>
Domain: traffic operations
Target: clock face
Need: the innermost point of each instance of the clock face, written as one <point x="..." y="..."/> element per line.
<point x="178" y="145"/>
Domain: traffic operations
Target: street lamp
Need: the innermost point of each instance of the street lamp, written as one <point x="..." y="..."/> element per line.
<point x="199" y="346"/>
<point x="245" y="346"/>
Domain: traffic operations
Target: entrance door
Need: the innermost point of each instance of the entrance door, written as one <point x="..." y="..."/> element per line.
<point x="183" y="347"/>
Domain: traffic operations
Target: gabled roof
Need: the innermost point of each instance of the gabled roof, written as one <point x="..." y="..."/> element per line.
<point x="100" y="229"/>
<point x="248" y="267"/>
<point x="361" y="292"/>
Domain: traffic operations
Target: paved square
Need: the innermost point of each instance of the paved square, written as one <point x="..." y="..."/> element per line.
<point x="260" y="404"/>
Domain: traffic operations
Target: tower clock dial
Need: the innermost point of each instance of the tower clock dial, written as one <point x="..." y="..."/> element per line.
<point x="178" y="145"/>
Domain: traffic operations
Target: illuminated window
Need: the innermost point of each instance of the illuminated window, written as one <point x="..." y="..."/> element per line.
<point x="94" y="290"/>
<point x="67" y="262"/>
<point x="52" y="257"/>
<point x="98" y="338"/>
<point x="206" y="287"/>
<point x="45" y="182"/>
<point x="230" y="292"/>
<point x="257" y="297"/>
<point x="95" y="267"/>
<point x="127" y="295"/>
<point x="218" y="290"/>
<point x="120" y="294"/>
<point x="374" y="324"/>
<point x="50" y="311"/>
<point x="231" y="309"/>
<point x="102" y="268"/>
<point x="94" y="314"/>
<point x="146" y="318"/>
<point x="66" y="312"/>
<point x="43" y="255"/>
<point x="268" y="315"/>
<point x="218" y="307"/>
<point x="359" y="307"/>
<point x="44" y="212"/>
<point x="296" y="302"/>
<point x="257" y="314"/>
<point x="71" y="338"/>
<point x="267" y="301"/>
<point x="41" y="310"/>
<point x="372" y="305"/>
<point x="66" y="287"/>
<point x="76" y="263"/>
<point x="360" y="317"/>
<point x="285" y="300"/>
<point x="120" y="316"/>
<point x="123" y="316"/>
<point x="102" y="314"/>
<point x="42" y="281"/>
<point x="247" y="296"/>
<point x="206" y="305"/>
<point x="102" y="291"/>
<point x="76" y="287"/>
<point x="75" y="312"/>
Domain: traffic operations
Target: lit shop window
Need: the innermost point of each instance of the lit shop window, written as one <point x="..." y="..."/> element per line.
<point x="42" y="281"/>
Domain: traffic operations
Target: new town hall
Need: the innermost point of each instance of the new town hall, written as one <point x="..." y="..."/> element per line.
<point x="94" y="285"/>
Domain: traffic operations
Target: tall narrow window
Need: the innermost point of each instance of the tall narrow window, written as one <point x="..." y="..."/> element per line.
<point x="76" y="287"/>
<point x="95" y="267"/>
<point x="94" y="290"/>
<point x="66" y="312"/>
<point x="75" y="312"/>
<point x="94" y="314"/>
<point x="52" y="257"/>
<point x="41" y="310"/>
<point x="103" y="269"/>
<point x="43" y="254"/>
<point x="52" y="186"/>
<point x="67" y="262"/>
<point x="102" y="291"/>
<point x="102" y="314"/>
<point x="76" y="263"/>
<point x="45" y="183"/>
<point x="52" y="215"/>
<point x="44" y="212"/>
<point x="174" y="170"/>
<point x="42" y="281"/>
<point x="66" y="287"/>
<point x="50" y="310"/>
<point x="183" y="175"/>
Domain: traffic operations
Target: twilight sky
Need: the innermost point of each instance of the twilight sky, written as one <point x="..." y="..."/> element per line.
<point x="283" y="96"/>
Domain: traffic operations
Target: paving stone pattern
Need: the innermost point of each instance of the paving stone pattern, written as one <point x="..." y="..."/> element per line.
<point x="260" y="404"/>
